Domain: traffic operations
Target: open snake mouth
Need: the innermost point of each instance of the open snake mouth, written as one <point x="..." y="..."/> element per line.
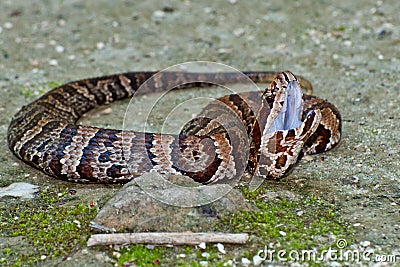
<point x="290" y="115"/>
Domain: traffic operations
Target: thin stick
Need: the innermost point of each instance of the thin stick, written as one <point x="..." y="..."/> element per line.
<point x="166" y="238"/>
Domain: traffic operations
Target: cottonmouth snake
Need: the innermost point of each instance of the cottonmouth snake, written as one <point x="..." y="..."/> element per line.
<point x="261" y="132"/>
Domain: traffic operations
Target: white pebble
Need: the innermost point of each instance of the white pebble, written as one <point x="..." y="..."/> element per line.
<point x="347" y="43"/>
<point x="52" y="42"/>
<point x="204" y="263"/>
<point x="43" y="257"/>
<point x="159" y="14"/>
<point x="380" y="56"/>
<point x="116" y="254"/>
<point x="365" y="243"/>
<point x="40" y="46"/>
<point x="257" y="260"/>
<point x="205" y="254"/>
<point x="100" y="45"/>
<point x="238" y="32"/>
<point x="221" y="248"/>
<point x="300" y="213"/>
<point x="1" y="29"/>
<point x="62" y="22"/>
<point x="60" y="49"/>
<point x="78" y="223"/>
<point x="53" y="62"/>
<point x="282" y="233"/>
<point x="245" y="261"/>
<point x="228" y="263"/>
<point x="207" y="10"/>
<point x="71" y="57"/>
<point x="8" y="25"/>
<point x="202" y="245"/>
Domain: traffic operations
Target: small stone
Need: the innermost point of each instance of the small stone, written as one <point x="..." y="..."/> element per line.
<point x="52" y="42"/>
<point x="257" y="260"/>
<point x="8" y="25"/>
<point x="159" y="14"/>
<point x="205" y="254"/>
<point x="168" y="9"/>
<point x="238" y="32"/>
<point x="1" y="29"/>
<point x="347" y="43"/>
<point x="208" y="10"/>
<point x="78" y="223"/>
<point x="62" y="22"/>
<point x="202" y="245"/>
<point x="245" y="261"/>
<point x="60" y="49"/>
<point x="100" y="45"/>
<point x="71" y="57"/>
<point x="356" y="224"/>
<point x="300" y="213"/>
<point x="365" y="243"/>
<point x="43" y="257"/>
<point x="221" y="248"/>
<point x="282" y="233"/>
<point x="203" y="263"/>
<point x="116" y="254"/>
<point x="380" y="57"/>
<point x="228" y="263"/>
<point x="19" y="189"/>
<point x="181" y="255"/>
<point x="308" y="158"/>
<point x="53" y="62"/>
<point x="40" y="46"/>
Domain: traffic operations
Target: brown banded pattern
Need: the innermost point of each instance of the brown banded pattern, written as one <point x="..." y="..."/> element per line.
<point x="230" y="135"/>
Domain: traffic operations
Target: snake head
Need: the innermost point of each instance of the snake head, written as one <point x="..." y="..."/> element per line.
<point x="285" y="102"/>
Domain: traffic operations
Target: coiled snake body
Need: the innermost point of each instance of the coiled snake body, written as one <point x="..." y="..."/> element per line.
<point x="262" y="132"/>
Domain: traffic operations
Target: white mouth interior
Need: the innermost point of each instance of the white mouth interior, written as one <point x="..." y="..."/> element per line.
<point x="290" y="115"/>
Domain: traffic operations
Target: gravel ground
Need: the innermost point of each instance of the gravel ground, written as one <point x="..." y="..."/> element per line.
<point x="350" y="50"/>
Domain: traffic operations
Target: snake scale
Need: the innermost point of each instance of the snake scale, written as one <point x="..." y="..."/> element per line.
<point x="261" y="132"/>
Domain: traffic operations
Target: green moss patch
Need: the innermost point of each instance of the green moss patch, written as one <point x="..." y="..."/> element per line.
<point x="298" y="224"/>
<point x="47" y="224"/>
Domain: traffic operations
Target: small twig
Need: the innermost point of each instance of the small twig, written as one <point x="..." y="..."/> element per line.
<point x="166" y="238"/>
